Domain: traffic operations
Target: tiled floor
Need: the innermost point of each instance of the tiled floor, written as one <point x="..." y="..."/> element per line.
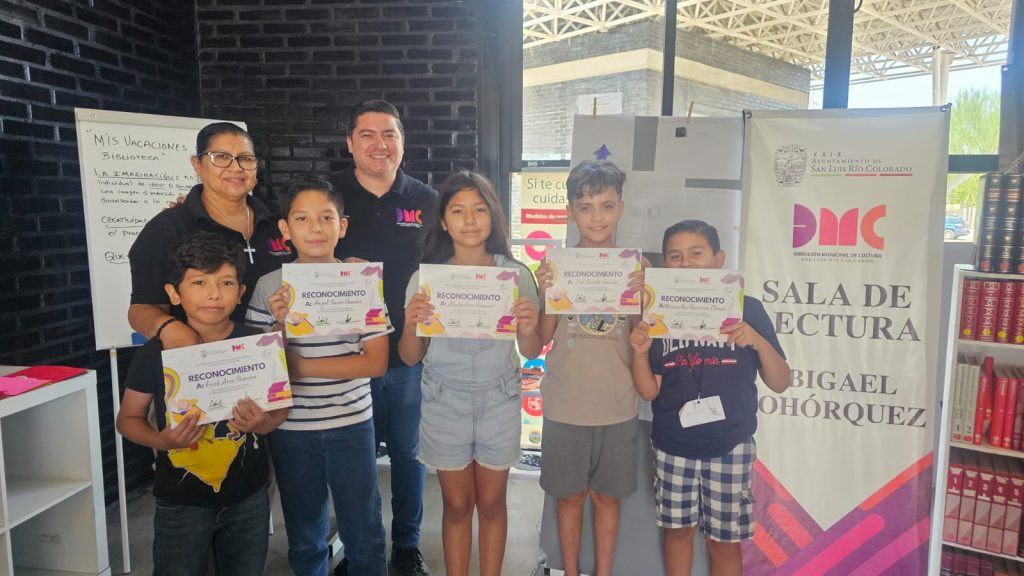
<point x="525" y="504"/>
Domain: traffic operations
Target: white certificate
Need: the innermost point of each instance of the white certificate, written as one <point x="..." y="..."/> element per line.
<point x="334" y="299"/>
<point x="592" y="281"/>
<point x="469" y="301"/>
<point x="211" y="378"/>
<point x="692" y="304"/>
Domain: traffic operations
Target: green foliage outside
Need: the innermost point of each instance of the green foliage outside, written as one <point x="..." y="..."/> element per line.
<point x="973" y="129"/>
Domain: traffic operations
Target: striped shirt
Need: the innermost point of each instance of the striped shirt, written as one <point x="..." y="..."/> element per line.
<point x="318" y="403"/>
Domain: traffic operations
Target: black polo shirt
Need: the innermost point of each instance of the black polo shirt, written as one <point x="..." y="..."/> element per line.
<point x="149" y="255"/>
<point x="387" y="229"/>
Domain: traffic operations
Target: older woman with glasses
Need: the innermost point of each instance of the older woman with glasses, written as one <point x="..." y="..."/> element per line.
<point x="225" y="164"/>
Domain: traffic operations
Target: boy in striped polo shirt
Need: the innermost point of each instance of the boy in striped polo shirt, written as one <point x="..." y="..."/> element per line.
<point x="329" y="432"/>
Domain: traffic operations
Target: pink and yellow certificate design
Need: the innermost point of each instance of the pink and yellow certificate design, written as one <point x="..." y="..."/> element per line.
<point x="334" y="299"/>
<point x="592" y="281"/>
<point x="469" y="301"/>
<point x="692" y="304"/>
<point x="211" y="378"/>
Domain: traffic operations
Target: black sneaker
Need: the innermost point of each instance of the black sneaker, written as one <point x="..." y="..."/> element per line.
<point x="408" y="562"/>
<point x="342" y="568"/>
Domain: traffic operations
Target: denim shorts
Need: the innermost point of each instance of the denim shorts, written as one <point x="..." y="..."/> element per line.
<point x="464" y="421"/>
<point x="714" y="493"/>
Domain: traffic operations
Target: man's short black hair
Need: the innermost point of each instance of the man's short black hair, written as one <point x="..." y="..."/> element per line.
<point x="367" y="106"/>
<point x="303" y="183"/>
<point x="205" y="251"/>
<point x="593" y="177"/>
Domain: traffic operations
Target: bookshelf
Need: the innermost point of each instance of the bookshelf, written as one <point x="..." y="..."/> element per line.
<point x="946" y="449"/>
<point x="52" y="517"/>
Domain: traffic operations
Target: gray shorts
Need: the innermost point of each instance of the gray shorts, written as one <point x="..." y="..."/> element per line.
<point x="602" y="458"/>
<point x="465" y="421"/>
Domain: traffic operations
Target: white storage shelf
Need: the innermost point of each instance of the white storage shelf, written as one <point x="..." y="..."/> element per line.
<point x="1002" y="354"/>
<point x="52" y="518"/>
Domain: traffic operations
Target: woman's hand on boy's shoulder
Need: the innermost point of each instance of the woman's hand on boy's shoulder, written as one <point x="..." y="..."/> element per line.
<point x="179" y="335"/>
<point x="743" y="334"/>
<point x="185" y="434"/>
<point x="247" y="416"/>
<point x="640" y="338"/>
<point x="526" y="315"/>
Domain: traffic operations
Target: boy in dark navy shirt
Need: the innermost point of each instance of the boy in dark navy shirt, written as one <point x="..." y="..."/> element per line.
<point x="211" y="480"/>
<point x="705" y="470"/>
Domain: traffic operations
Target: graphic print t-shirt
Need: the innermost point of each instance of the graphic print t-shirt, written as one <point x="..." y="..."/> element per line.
<point x="224" y="467"/>
<point x="717" y="370"/>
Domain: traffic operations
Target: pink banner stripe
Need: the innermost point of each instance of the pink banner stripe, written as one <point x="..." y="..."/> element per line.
<point x="768" y="546"/>
<point x="841" y="548"/>
<point x="777" y="486"/>
<point x="910" y="473"/>
<point x="790" y="525"/>
<point x="892" y="553"/>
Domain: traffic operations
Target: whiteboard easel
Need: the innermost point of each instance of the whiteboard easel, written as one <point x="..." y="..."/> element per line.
<point x="132" y="167"/>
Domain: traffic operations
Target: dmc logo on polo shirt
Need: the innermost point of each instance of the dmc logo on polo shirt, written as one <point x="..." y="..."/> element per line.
<point x="278" y="247"/>
<point x="409" y="217"/>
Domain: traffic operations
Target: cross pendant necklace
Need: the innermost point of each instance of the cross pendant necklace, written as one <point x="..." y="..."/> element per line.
<point x="248" y="227"/>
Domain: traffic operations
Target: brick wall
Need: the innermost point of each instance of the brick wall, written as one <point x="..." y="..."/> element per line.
<point x="291" y="69"/>
<point x="130" y="55"/>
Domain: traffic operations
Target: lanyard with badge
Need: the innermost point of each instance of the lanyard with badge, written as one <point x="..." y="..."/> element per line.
<point x="700" y="410"/>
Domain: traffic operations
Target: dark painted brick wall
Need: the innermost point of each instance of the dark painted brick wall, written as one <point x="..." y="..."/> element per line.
<point x="129" y="55"/>
<point x="291" y="69"/>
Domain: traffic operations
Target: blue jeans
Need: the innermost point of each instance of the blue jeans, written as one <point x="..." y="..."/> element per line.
<point x="184" y="535"/>
<point x="396" y="398"/>
<point x="345" y="460"/>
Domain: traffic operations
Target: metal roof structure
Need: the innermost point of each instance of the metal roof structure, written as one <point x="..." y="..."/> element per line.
<point x="891" y="38"/>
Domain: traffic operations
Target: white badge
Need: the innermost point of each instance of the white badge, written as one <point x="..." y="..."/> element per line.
<point x="701" y="411"/>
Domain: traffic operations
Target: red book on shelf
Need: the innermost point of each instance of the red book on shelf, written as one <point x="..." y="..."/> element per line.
<point x="983" y="505"/>
<point x="986" y="568"/>
<point x="969" y="307"/>
<point x="1010" y="419"/>
<point x="954" y="487"/>
<point x="959" y="563"/>
<point x="1014" y="507"/>
<point x="1017" y="435"/>
<point x="1008" y="299"/>
<point x="946" y="565"/>
<point x="1001" y="389"/>
<point x="968" y="499"/>
<point x="1017" y="329"/>
<point x="973" y="565"/>
<point x="997" y="517"/>
<point x="982" y="401"/>
<point x="988" y="308"/>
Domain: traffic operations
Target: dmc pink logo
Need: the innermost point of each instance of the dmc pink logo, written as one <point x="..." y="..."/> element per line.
<point x="833" y="230"/>
<point x="603" y="255"/>
<point x="704" y="280"/>
<point x="408" y="216"/>
<point x="346" y="273"/>
<point x="481" y="276"/>
<point x="277" y="245"/>
<point x="237" y="347"/>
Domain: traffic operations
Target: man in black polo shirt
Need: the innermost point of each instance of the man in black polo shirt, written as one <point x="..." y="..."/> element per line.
<point x="386" y="210"/>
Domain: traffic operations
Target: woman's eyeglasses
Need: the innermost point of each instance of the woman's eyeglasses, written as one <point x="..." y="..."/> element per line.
<point x="223" y="160"/>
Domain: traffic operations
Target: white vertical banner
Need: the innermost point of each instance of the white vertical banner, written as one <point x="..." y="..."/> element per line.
<point x="843" y="245"/>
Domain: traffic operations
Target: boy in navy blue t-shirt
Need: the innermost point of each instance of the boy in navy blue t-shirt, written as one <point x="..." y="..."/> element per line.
<point x="705" y="470"/>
